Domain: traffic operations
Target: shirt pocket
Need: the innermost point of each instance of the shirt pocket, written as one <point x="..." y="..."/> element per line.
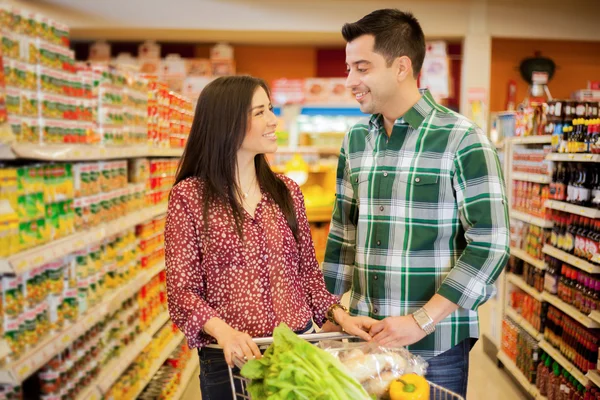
<point x="360" y="183"/>
<point x="422" y="190"/>
<point x="418" y="179"/>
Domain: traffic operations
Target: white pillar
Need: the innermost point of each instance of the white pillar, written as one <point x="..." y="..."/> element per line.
<point x="477" y="60"/>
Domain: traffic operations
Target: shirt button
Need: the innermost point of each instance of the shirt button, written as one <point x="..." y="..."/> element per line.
<point x="379" y="243"/>
<point x="381" y="208"/>
<point x="265" y="257"/>
<point x="375" y="311"/>
<point x="417" y="180"/>
<point x="385" y="174"/>
<point x="356" y="180"/>
<point x="376" y="277"/>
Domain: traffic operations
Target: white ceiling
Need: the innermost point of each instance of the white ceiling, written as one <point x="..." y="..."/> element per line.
<point x="310" y="21"/>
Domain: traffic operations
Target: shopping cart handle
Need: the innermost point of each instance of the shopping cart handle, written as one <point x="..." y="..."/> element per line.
<point x="309" y="337"/>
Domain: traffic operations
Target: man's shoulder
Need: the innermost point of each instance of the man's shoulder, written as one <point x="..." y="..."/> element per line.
<point x="444" y="116"/>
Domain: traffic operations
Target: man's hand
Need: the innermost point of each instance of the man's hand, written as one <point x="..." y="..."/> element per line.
<point x="397" y="331"/>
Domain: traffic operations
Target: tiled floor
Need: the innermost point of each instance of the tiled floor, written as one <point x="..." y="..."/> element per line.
<point x="486" y="381"/>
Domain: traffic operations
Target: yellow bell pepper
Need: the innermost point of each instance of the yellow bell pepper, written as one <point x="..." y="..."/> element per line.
<point x="409" y="387"/>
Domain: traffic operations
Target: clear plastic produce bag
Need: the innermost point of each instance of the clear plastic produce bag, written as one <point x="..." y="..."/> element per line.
<point x="373" y="366"/>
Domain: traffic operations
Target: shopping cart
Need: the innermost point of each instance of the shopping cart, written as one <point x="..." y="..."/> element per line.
<point x="239" y="383"/>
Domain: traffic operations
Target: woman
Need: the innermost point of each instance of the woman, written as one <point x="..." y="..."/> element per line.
<point x="239" y="254"/>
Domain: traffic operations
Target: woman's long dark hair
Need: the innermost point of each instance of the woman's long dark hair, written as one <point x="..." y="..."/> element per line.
<point x="219" y="127"/>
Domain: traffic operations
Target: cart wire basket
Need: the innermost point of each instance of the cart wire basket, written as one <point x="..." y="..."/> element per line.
<point x="239" y="383"/>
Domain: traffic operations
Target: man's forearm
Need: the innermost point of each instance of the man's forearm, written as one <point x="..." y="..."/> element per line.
<point x="439" y="307"/>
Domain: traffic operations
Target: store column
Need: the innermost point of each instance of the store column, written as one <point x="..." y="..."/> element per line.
<point x="475" y="87"/>
<point x="476" y="68"/>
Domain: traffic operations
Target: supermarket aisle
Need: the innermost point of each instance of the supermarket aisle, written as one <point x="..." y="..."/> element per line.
<point x="486" y="381"/>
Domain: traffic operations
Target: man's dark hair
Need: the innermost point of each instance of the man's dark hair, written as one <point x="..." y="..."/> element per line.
<point x="396" y="33"/>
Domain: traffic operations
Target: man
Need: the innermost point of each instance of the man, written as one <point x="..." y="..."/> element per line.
<point x="419" y="230"/>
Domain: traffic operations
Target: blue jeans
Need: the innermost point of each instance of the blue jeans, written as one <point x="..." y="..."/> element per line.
<point x="450" y="370"/>
<point x="214" y="373"/>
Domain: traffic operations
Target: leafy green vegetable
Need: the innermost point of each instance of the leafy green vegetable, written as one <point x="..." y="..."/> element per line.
<point x="292" y="368"/>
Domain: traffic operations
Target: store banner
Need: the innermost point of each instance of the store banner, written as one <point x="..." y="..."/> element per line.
<point x="435" y="73"/>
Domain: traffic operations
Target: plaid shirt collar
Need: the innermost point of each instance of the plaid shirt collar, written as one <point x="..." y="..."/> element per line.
<point x="414" y="116"/>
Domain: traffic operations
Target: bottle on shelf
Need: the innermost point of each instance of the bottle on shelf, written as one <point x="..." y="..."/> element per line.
<point x="551" y="278"/>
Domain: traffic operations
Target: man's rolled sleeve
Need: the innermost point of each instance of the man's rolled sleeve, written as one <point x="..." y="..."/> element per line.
<point x="482" y="205"/>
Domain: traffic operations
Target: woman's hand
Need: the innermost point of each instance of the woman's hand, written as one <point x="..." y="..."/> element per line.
<point x="357" y="326"/>
<point x="232" y="341"/>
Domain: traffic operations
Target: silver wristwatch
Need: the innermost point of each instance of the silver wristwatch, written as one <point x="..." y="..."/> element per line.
<point x="424" y="321"/>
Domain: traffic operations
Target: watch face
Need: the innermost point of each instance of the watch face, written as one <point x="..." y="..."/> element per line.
<point x="421" y="318"/>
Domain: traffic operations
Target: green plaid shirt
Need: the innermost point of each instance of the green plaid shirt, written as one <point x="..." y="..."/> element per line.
<point x="420" y="213"/>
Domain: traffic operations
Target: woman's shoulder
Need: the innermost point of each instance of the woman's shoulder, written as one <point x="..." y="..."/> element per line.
<point x="191" y="187"/>
<point x="290" y="183"/>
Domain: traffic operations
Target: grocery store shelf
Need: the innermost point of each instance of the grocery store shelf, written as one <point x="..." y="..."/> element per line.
<point x="74" y="152"/>
<point x="521" y="284"/>
<point x="186" y="376"/>
<point x="595" y="315"/>
<point x="164" y="152"/>
<point x="311" y="150"/>
<point x="573" y="157"/>
<point x="510" y="366"/>
<point x="6" y="152"/>
<point x="594" y="376"/>
<point x="319" y="214"/>
<point x="4" y="349"/>
<point x="40" y="255"/>
<point x="570" y="208"/>
<point x="571" y="311"/>
<point x="115" y="368"/>
<point x="571" y="260"/>
<point x="523" y="323"/>
<point x="530" y="219"/>
<point x="522" y="254"/>
<point x="16" y="372"/>
<point x="541" y="139"/>
<point x="535" y="178"/>
<point x="566" y="364"/>
<point x="164" y="355"/>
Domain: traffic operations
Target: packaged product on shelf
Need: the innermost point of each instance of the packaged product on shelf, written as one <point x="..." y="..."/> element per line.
<point x="86" y="179"/>
<point x="81" y="211"/>
<point x="58" y="182"/>
<point x="577" y="343"/>
<point x="9" y="233"/>
<point x="139" y="170"/>
<point x="95" y="204"/>
<point x="29" y="131"/>
<point x="11" y="46"/>
<point x="13" y="334"/>
<point x="29" y="103"/>
<point x="69" y="309"/>
<point x="30" y="206"/>
<point x="12" y="296"/>
<point x="13" y="101"/>
<point x="55" y="272"/>
<point x="33" y="233"/>
<point x="52" y="56"/>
